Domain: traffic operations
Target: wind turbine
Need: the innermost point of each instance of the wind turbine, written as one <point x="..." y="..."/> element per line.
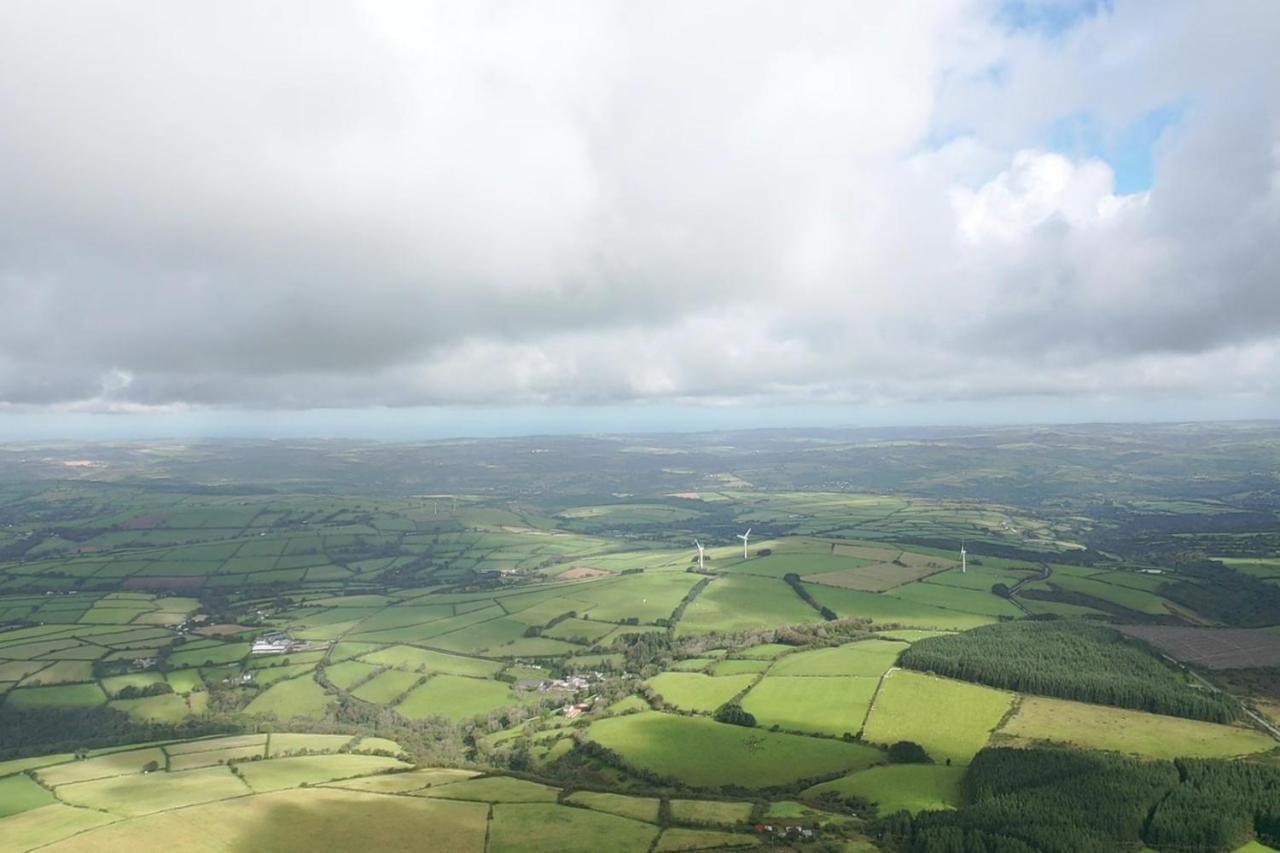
<point x="699" y="544"/>
<point x="744" y="537"/>
<point x="964" y="563"/>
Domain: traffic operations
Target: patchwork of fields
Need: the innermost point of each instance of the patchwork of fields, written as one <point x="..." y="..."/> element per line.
<point x="505" y="634"/>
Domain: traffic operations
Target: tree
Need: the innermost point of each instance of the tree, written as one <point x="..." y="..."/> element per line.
<point x="735" y="715"/>
<point x="908" y="752"/>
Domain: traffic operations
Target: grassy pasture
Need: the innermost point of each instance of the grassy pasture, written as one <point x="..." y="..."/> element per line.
<point x="213" y="757"/>
<point x="404" y="783"/>
<point x="206" y="744"/>
<point x="280" y="773"/>
<point x="385" y="687"/>
<point x="432" y="661"/>
<point x="739" y="667"/>
<point x="19" y="793"/>
<point x="285" y="743"/>
<point x="636" y="808"/>
<point x="678" y="839"/>
<point x="298" y="697"/>
<point x="713" y="812"/>
<point x="494" y="789"/>
<point x="548" y="828"/>
<point x="140" y="794"/>
<point x="704" y="753"/>
<point x="129" y="762"/>
<point x="764" y="651"/>
<point x="950" y="719"/>
<point x="1040" y="719"/>
<point x="885" y="609"/>
<point x="823" y="704"/>
<point x="455" y="697"/>
<point x="693" y="691"/>
<point x="865" y="657"/>
<point x="296" y="821"/>
<point x="983" y="602"/>
<point x="349" y="672"/>
<point x="743" y="602"/>
<point x="914" y="787"/>
<point x="166" y="708"/>
<point x="61" y="696"/>
<point x="377" y="744"/>
<point x="61" y="672"/>
<point x="47" y="824"/>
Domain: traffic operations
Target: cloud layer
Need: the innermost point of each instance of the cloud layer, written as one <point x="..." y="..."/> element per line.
<point x="291" y="205"/>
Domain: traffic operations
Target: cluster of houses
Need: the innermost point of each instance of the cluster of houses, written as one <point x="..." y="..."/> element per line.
<point x="276" y="643"/>
<point x="802" y="833"/>
<point x="574" y="709"/>
<point x="572" y="682"/>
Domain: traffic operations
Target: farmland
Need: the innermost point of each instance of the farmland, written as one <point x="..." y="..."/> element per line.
<point x="300" y="651"/>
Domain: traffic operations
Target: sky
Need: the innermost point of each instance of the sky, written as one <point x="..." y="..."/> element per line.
<point x="425" y="219"/>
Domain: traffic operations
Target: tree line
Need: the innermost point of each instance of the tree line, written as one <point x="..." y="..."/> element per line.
<point x="1071" y="660"/>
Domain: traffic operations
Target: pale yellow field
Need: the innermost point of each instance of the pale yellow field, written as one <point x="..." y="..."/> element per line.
<point x="1134" y="732"/>
<point x="305" y="820"/>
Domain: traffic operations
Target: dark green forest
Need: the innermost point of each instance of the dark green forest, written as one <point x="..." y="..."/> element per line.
<point x="1059" y="801"/>
<point x="1071" y="660"/>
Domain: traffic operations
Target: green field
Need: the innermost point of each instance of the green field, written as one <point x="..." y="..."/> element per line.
<point x="455" y="697"/>
<point x="709" y="812"/>
<point x="494" y="789"/>
<point x="1040" y="719"/>
<point x="298" y="697"/>
<point x="740" y="603"/>
<point x="692" y="691"/>
<point x="950" y="719"/>
<point x="832" y="705"/>
<point x="706" y="754"/>
<point x="19" y="793"/>
<point x="914" y="787"/>
<point x="866" y="657"/>
<point x="636" y="808"/>
<point x="548" y="828"/>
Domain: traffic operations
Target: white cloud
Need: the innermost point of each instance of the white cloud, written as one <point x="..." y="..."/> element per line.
<point x="364" y="204"/>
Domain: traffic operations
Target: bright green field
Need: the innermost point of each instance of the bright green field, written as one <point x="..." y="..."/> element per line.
<point x="704" y="753"/>
<point x="455" y="697"/>
<point x="548" y="828"/>
<point x="429" y="661"/>
<point x="18" y="793"/>
<point x="494" y="789"/>
<point x="823" y="704"/>
<point x="61" y="696"/>
<point x="139" y="794"/>
<point x="1136" y="732"/>
<point x="885" y="609"/>
<point x="280" y="773"/>
<point x="914" y="787"/>
<point x="709" y="812"/>
<point x="740" y="603"/>
<point x="636" y="808"/>
<point x="298" y="697"/>
<point x="866" y="657"/>
<point x="950" y="719"/>
<point x="693" y="691"/>
<point x="680" y="839"/>
<point x="385" y="687"/>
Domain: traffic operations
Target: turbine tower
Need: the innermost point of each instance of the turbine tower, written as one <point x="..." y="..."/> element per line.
<point x="699" y="544"/>
<point x="744" y="537"/>
<point x="964" y="563"/>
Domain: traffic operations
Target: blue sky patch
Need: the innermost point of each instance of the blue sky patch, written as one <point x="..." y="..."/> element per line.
<point x="1129" y="150"/>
